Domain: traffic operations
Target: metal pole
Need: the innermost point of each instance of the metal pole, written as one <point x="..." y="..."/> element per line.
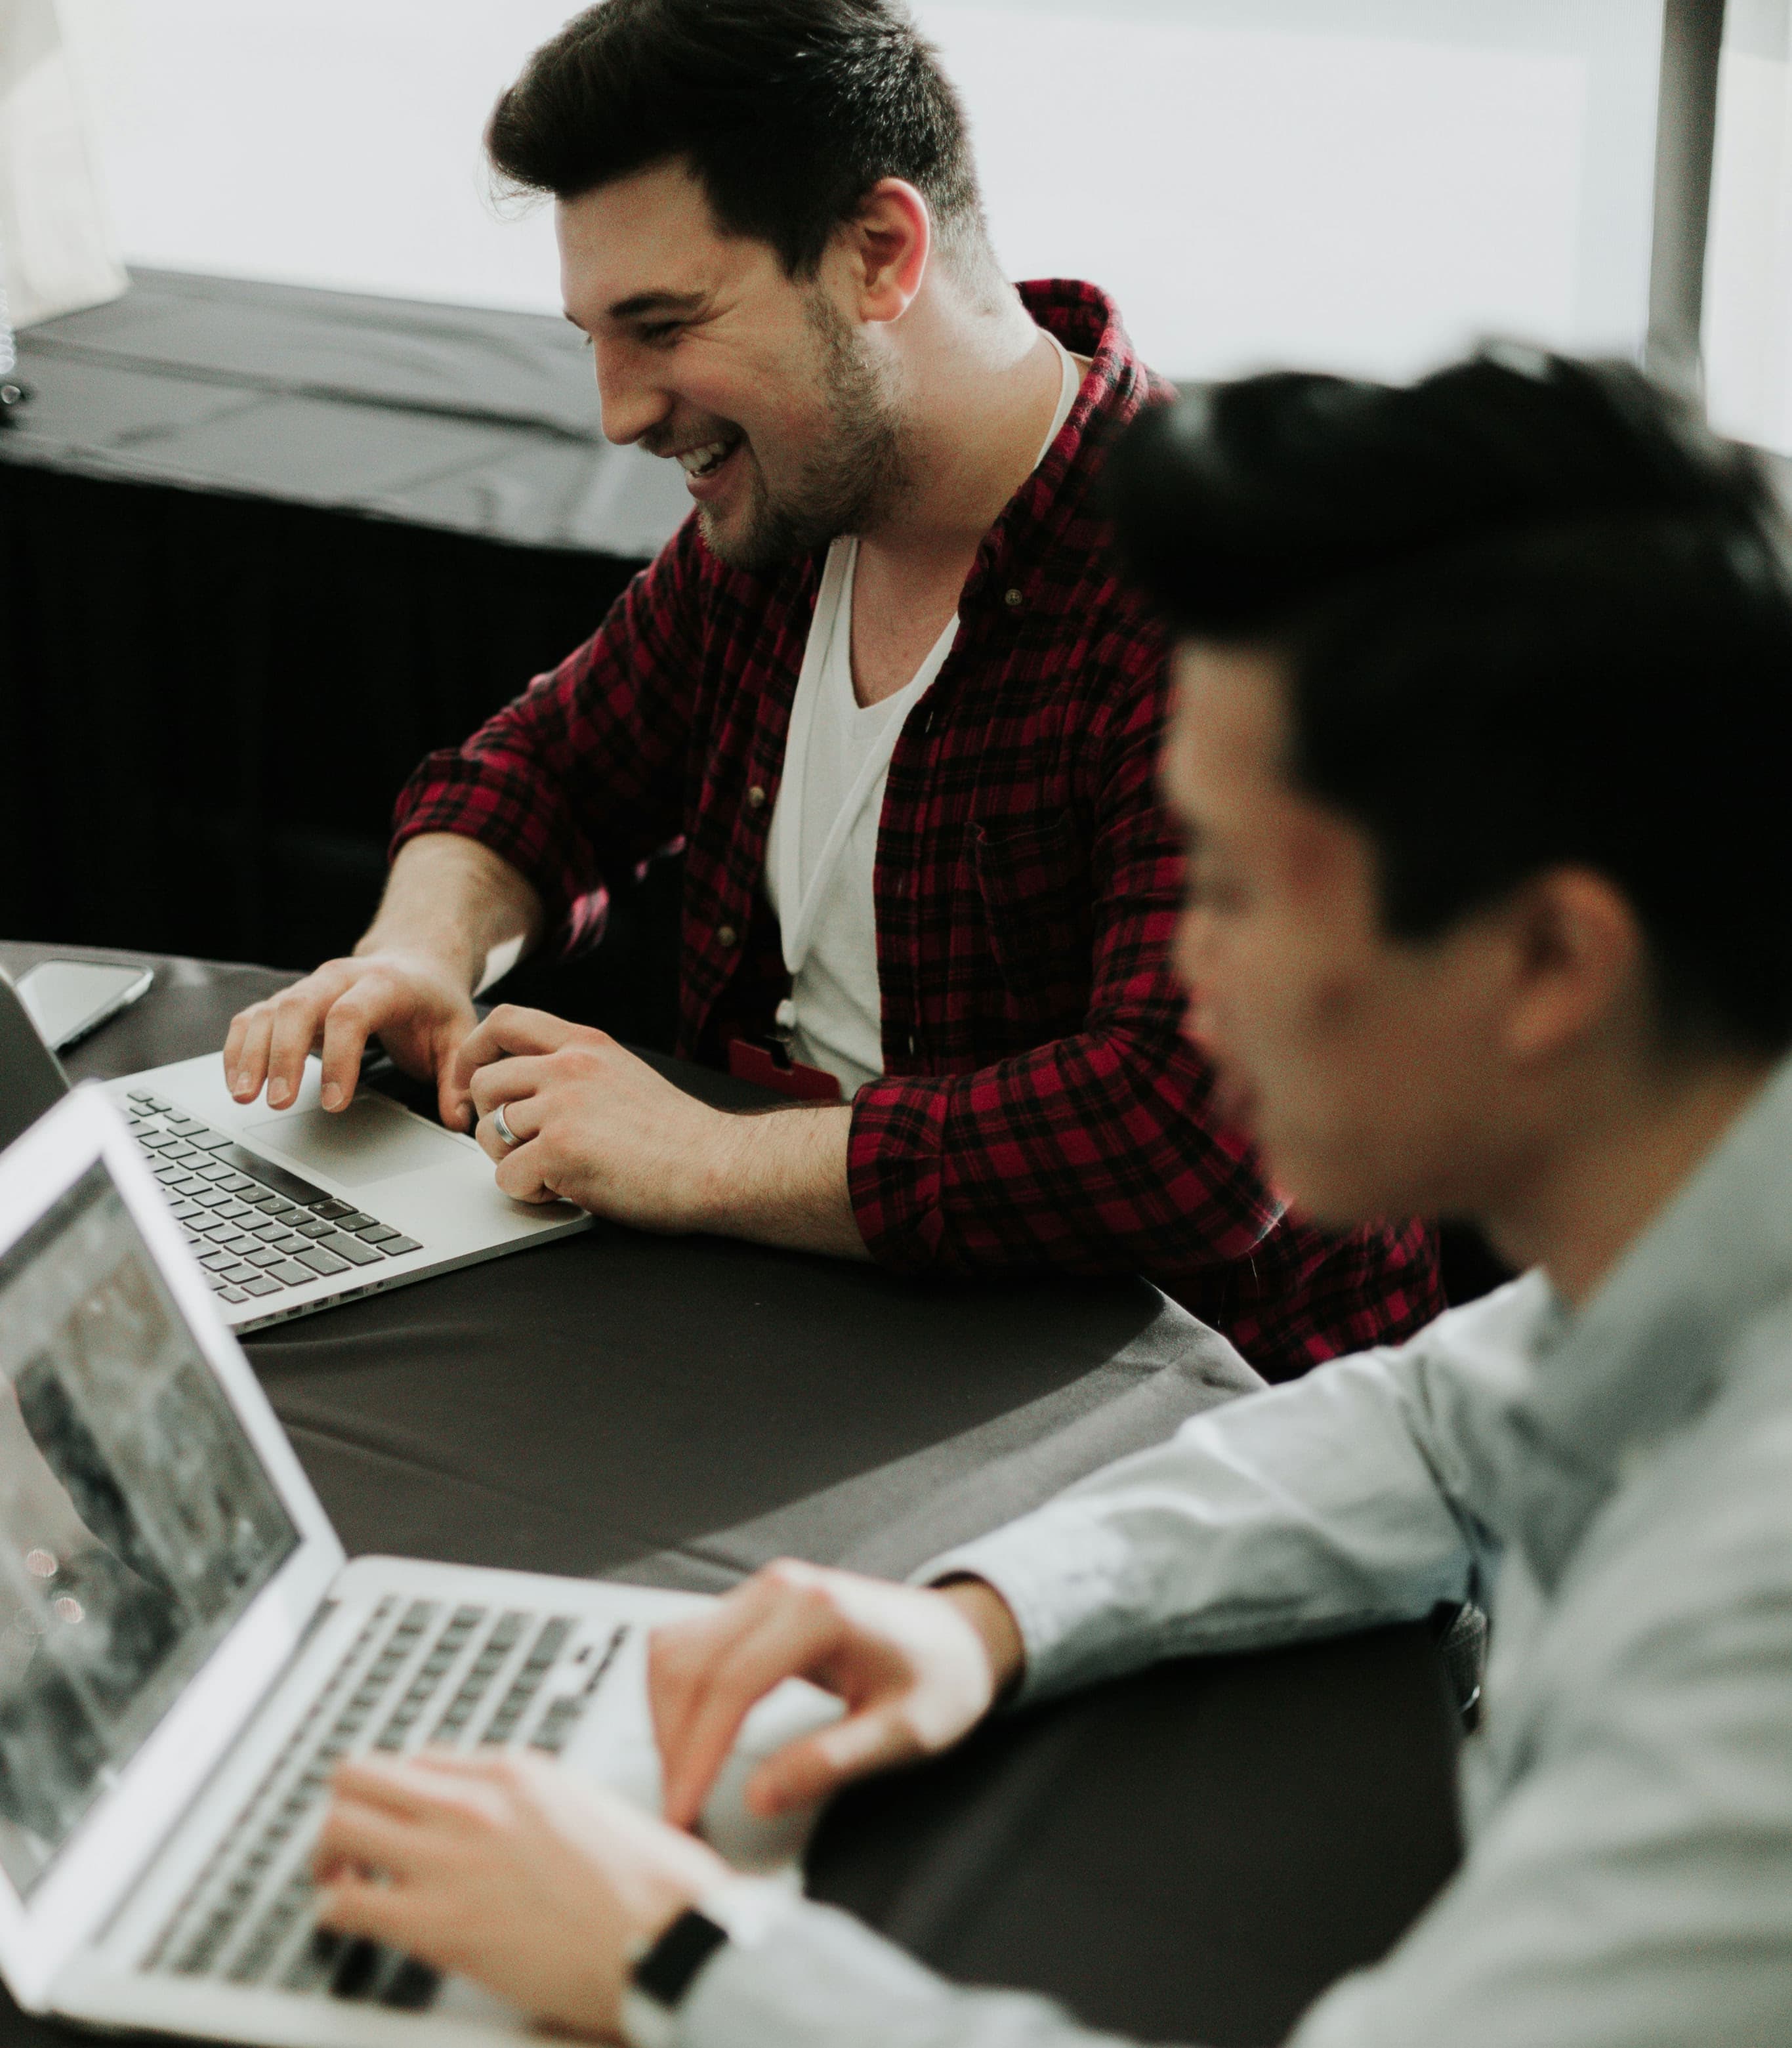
<point x="1686" y="139"/>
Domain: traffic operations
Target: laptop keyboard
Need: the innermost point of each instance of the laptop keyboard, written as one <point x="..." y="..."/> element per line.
<point x="418" y="1672"/>
<point x="255" y="1228"/>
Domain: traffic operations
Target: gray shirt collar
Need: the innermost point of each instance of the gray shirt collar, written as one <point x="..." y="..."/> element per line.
<point x="1655" y="1344"/>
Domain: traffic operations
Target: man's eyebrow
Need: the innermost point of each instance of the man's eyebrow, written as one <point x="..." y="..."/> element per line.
<point x="660" y="302"/>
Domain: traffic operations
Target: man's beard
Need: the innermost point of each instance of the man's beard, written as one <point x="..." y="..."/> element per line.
<point x="849" y="479"/>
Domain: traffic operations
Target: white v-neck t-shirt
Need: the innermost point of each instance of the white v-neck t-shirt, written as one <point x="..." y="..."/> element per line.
<point x="822" y="848"/>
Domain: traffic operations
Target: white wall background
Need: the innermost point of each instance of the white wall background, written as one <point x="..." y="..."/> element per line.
<point x="1367" y="185"/>
<point x="1748" y="260"/>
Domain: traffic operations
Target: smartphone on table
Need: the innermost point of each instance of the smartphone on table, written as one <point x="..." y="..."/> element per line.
<point x="67" y="998"/>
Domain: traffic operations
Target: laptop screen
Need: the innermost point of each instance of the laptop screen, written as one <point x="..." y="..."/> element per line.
<point x="137" y="1522"/>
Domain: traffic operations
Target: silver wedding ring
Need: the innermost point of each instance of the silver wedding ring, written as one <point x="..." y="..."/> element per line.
<point x="502" y="1128"/>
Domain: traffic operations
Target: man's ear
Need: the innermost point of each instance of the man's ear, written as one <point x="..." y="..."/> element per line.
<point x="1578" y="961"/>
<point x="889" y="241"/>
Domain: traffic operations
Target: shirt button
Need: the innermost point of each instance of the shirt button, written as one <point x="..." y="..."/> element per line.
<point x="1013" y="600"/>
<point x="726" y="935"/>
<point x="755" y="796"/>
<point x="911" y="1045"/>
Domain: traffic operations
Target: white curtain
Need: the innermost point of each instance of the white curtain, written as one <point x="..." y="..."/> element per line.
<point x="56" y="251"/>
<point x="1748" y="260"/>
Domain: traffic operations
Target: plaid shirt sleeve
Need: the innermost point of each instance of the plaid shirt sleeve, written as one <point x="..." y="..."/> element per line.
<point x="1096" y="1153"/>
<point x="585" y="772"/>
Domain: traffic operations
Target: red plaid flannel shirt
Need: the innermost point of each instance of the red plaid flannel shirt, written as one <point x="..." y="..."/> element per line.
<point x="1039" y="1106"/>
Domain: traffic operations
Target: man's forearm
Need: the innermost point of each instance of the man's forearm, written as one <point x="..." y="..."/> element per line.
<point x="780" y="1178"/>
<point x="454" y="899"/>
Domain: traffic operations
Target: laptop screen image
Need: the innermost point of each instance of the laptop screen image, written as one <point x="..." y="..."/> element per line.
<point x="137" y="1522"/>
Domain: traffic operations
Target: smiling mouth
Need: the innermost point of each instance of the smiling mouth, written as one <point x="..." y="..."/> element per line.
<point x="704" y="461"/>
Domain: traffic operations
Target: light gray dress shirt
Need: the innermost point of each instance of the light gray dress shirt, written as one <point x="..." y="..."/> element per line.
<point x="1615" y="1487"/>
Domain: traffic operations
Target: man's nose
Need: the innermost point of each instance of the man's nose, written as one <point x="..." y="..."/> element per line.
<point x="633" y="402"/>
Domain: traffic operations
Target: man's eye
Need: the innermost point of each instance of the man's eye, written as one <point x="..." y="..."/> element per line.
<point x="659" y="332"/>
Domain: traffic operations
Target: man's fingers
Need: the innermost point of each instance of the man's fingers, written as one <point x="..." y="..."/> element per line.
<point x="419" y="1788"/>
<point x="246" y="1053"/>
<point x="682" y="1656"/>
<point x="234" y="1041"/>
<point x="522" y="1118"/>
<point x="816" y="1765"/>
<point x="520" y="1170"/>
<point x="297" y="1020"/>
<point x="347" y="1025"/>
<point x="785" y="1644"/>
<point x="453" y="1104"/>
<point x="364" y="1837"/>
<point x="507" y="1080"/>
<point x="377" y="1912"/>
<point x="509" y="1030"/>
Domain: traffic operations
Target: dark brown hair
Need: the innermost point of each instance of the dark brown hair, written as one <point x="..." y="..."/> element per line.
<point x="788" y="111"/>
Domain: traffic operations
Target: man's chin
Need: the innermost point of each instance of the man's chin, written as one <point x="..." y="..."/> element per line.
<point x="749" y="539"/>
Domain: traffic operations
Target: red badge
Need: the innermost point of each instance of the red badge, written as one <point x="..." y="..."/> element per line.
<point x="748" y="1062"/>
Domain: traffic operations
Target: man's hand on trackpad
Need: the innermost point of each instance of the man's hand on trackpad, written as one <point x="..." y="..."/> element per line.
<point x="916" y="1668"/>
<point x="409" y="1001"/>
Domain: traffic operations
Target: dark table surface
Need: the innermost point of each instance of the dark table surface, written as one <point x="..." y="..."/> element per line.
<point x="675" y="1411"/>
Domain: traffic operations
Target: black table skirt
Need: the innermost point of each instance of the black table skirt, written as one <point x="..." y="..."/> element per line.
<point x="261" y="550"/>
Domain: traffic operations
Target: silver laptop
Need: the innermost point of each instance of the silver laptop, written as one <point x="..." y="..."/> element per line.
<point x="184" y="1652"/>
<point x="293" y="1210"/>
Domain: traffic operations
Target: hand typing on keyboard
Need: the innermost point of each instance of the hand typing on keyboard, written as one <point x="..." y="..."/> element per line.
<point x="418" y="1013"/>
<point x="455" y="917"/>
<point x="537" y="1882"/>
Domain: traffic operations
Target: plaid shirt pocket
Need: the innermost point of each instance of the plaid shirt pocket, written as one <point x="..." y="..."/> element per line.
<point x="1032" y="874"/>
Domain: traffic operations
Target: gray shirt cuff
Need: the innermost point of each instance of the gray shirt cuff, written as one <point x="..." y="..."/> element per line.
<point x="817" y="1979"/>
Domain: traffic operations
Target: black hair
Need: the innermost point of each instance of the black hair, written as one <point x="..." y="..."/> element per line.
<point x="788" y="111"/>
<point x="1529" y="614"/>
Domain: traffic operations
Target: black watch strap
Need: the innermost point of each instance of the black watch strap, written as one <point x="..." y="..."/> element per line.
<point x="666" y="1970"/>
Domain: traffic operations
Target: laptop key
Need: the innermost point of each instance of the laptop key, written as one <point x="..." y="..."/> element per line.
<point x="352" y="1250"/>
<point x="331" y="1209"/>
<point x="399" y="1245"/>
<point x="312" y="1227"/>
<point x="356" y="1968"/>
<point x="261" y="1285"/>
<point x="290" y="1275"/>
<point x="320" y="1261"/>
<point x="412" y="1987"/>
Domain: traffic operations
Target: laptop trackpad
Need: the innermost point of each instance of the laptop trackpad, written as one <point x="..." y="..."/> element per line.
<point x="371" y="1140"/>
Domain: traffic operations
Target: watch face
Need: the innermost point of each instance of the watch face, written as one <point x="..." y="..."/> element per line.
<point x="665" y="1971"/>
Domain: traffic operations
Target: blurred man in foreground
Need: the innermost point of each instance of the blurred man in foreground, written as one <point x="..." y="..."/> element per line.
<point x="1485" y="699"/>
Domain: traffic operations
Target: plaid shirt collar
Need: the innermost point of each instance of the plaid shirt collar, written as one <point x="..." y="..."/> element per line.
<point x="1057" y="506"/>
<point x="1059" y="497"/>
